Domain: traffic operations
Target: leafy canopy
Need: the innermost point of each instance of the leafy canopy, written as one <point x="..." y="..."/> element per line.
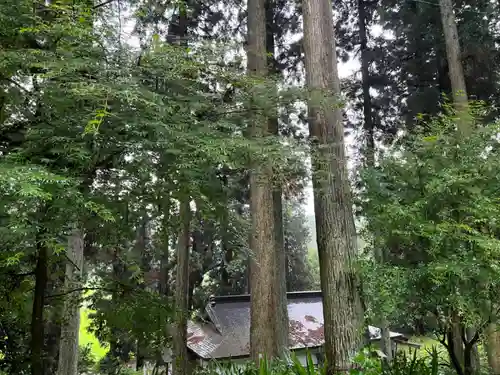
<point x="432" y="208"/>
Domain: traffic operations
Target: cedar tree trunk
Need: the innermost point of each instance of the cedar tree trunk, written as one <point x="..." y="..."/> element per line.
<point x="70" y="326"/>
<point x="180" y="354"/>
<point x="335" y="230"/>
<point x="266" y="327"/>
<point x="456" y="72"/>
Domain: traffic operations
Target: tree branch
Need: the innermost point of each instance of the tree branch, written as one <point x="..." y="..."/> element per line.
<point x="453" y="356"/>
<point x="18" y="85"/>
<point x="103" y="4"/>
<point x="464" y="337"/>
<point x="79" y="290"/>
<point x="442" y="340"/>
<point x="71" y="261"/>
<point x="470" y="344"/>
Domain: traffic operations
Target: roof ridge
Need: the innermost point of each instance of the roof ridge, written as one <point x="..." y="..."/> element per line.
<point x="246" y="297"/>
<point x="213" y="318"/>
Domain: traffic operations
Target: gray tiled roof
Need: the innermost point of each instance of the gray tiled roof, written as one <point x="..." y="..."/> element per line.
<point x="228" y="333"/>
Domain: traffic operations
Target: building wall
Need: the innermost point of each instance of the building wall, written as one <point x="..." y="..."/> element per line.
<point x="302" y="356"/>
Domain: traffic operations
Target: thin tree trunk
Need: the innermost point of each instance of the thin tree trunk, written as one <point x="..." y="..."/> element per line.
<point x="180" y="354"/>
<point x="52" y="333"/>
<point x="37" y="323"/>
<point x="458" y="344"/>
<point x="386" y="339"/>
<point x="117" y="274"/>
<point x="226" y="282"/>
<point x="266" y="327"/>
<point x="53" y="315"/>
<point x="456" y="72"/>
<point x="369" y="126"/>
<point x="273" y="125"/>
<point x="163" y="285"/>
<point x="142" y="250"/>
<point x="475" y="361"/>
<point x="335" y="230"/>
<point x="384" y="324"/>
<point x="179" y="348"/>
<point x="164" y="262"/>
<point x="70" y="326"/>
<point x="455" y="344"/>
<point x="464" y="125"/>
<point x="493" y="348"/>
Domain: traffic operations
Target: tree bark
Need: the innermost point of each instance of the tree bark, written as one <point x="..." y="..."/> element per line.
<point x="163" y="284"/>
<point x="475" y="361"/>
<point x="70" y="326"/>
<point x="386" y="339"/>
<point x="164" y="262"/>
<point x="279" y="234"/>
<point x="455" y="344"/>
<point x="456" y="73"/>
<point x="226" y="284"/>
<point x="266" y="327"/>
<point x="493" y="348"/>
<point x="37" y="322"/>
<point x="369" y="126"/>
<point x="335" y="230"/>
<point x="53" y="315"/>
<point x="180" y="354"/>
<point x="142" y="251"/>
<point x="464" y="124"/>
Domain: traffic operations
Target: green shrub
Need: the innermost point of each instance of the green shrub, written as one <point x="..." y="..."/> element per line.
<point x="402" y="364"/>
<point x="365" y="363"/>
<point x="86" y="361"/>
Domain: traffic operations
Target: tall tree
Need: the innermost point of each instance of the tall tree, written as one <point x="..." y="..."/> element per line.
<point x="180" y="353"/>
<point x="369" y="133"/>
<point x="336" y="233"/>
<point x="267" y="325"/>
<point x="279" y="236"/>
<point x="459" y="334"/>
<point x="70" y="325"/>
<point x="492" y="348"/>
<point x="368" y="126"/>
<point x="456" y="71"/>
<point x="37" y="322"/>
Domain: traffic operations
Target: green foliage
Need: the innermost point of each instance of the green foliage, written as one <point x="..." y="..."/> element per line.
<point x="96" y="133"/>
<point x="365" y="363"/>
<point x="431" y="208"/>
<point x="402" y="364"/>
<point x="144" y="317"/>
<point x="86" y="361"/>
<point x="301" y="272"/>
<point x="265" y="367"/>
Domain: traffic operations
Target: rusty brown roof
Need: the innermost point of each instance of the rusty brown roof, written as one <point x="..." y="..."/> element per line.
<point x="227" y="335"/>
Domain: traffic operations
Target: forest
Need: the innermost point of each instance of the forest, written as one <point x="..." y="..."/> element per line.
<point x="159" y="155"/>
